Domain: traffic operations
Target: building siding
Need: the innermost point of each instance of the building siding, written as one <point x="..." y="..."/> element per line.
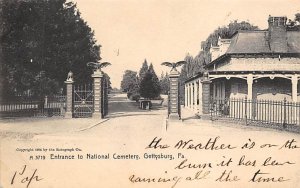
<point x="259" y="64"/>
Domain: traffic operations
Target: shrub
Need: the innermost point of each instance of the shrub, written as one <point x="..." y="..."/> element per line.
<point x="158" y="98"/>
<point x="135" y="97"/>
<point x="129" y="95"/>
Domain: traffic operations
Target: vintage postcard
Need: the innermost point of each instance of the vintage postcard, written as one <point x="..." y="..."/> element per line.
<point x="149" y="93"/>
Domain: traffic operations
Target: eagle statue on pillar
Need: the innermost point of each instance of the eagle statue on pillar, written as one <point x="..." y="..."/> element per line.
<point x="98" y="65"/>
<point x="174" y="65"/>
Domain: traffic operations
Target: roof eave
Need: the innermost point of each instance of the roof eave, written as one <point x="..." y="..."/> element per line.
<point x="283" y="54"/>
<point x="217" y="60"/>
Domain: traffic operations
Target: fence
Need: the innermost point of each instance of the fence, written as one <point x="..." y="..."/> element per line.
<point x="28" y="106"/>
<point x="277" y="113"/>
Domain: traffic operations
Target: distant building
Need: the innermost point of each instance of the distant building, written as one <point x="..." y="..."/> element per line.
<point x="260" y="64"/>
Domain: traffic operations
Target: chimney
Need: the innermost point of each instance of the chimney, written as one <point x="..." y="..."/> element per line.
<point x="224" y="45"/>
<point x="215" y="52"/>
<point x="220" y="49"/>
<point x="277" y="34"/>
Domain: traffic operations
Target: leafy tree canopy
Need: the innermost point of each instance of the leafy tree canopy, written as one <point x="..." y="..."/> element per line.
<point x="150" y="86"/>
<point x="129" y="82"/>
<point x="164" y="84"/>
<point x="41" y="42"/>
<point x="143" y="69"/>
<point x="295" y="23"/>
<point x="196" y="64"/>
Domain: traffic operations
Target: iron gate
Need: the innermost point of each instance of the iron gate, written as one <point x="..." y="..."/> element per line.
<point x="104" y="90"/>
<point x="83" y="101"/>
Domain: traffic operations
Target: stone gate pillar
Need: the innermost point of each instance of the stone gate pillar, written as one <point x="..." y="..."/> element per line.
<point x="206" y="94"/>
<point x="174" y="95"/>
<point x="69" y="95"/>
<point x="97" y="76"/>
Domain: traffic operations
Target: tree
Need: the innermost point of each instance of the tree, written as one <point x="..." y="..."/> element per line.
<point x="155" y="79"/>
<point x="164" y="83"/>
<point x="44" y="40"/>
<point x="107" y="80"/>
<point x="189" y="67"/>
<point x="149" y="86"/>
<point x="196" y="64"/>
<point x="295" y="23"/>
<point x="226" y="32"/>
<point x="297" y="17"/>
<point x="143" y="69"/>
<point x="129" y="82"/>
<point x="151" y="69"/>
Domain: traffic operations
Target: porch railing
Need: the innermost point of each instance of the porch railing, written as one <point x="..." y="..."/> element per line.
<point x="281" y="113"/>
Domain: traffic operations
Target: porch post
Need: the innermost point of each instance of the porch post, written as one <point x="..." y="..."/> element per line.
<point x="97" y="76"/>
<point x="206" y="94"/>
<point x="69" y="95"/>
<point x="185" y="95"/>
<point x="294" y="88"/>
<point x="195" y="96"/>
<point x="190" y="94"/>
<point x="250" y="95"/>
<point x="295" y="96"/>
<point x="200" y="97"/>
<point x="214" y="94"/>
<point x="250" y="84"/>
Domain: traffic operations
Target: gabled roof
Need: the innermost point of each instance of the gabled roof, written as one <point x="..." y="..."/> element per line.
<point x="257" y="43"/>
<point x="251" y="42"/>
<point x="293" y="39"/>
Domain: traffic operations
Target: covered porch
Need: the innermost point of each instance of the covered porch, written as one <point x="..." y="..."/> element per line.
<point x="256" y="85"/>
<point x="269" y="97"/>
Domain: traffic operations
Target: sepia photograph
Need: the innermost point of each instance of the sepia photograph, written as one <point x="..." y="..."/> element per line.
<point x="149" y="93"/>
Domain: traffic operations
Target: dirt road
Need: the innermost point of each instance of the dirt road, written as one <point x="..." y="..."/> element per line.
<point x="118" y="152"/>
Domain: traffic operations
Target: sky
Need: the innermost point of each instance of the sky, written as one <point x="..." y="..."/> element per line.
<point x="131" y="31"/>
